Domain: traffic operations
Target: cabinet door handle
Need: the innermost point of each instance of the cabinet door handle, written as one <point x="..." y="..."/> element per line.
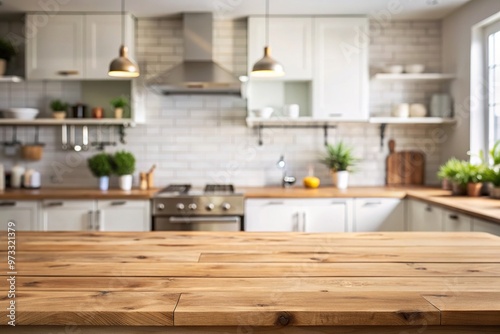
<point x="116" y="203"/>
<point x="453" y="216"/>
<point x="98" y="220"/>
<point x="303" y="224"/>
<point x="275" y="203"/>
<point x="335" y="114"/>
<point x="90" y="220"/>
<point x="7" y="203"/>
<point x="295" y="227"/>
<point x="51" y="204"/>
<point x="68" y="72"/>
<point x="428" y="208"/>
<point x="371" y="203"/>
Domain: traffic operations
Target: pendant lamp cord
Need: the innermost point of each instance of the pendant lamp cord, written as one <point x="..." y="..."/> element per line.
<point x="123" y="22"/>
<point x="267" y="22"/>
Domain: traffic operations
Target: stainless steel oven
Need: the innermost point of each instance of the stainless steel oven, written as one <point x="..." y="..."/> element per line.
<point x="216" y="208"/>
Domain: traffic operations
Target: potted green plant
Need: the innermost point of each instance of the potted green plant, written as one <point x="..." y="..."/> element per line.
<point x="119" y="103"/>
<point x="58" y="108"/>
<point x="124" y="167"/>
<point x="492" y="175"/>
<point x="7" y="51"/>
<point x="447" y="172"/>
<point x="476" y="176"/>
<point x="101" y="166"/>
<point x="340" y="160"/>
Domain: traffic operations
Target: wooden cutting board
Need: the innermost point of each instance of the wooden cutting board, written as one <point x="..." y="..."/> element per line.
<point x="404" y="167"/>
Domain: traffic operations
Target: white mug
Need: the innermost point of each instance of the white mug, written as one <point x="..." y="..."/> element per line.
<point x="418" y="110"/>
<point x="291" y="110"/>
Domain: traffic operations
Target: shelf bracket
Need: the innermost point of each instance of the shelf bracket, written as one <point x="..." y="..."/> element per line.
<point x="382" y="135"/>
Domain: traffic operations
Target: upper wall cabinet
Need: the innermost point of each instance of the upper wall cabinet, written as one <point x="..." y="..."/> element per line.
<point x="325" y="61"/>
<point x="290" y="40"/>
<point x="75" y="46"/>
<point x="340" y="82"/>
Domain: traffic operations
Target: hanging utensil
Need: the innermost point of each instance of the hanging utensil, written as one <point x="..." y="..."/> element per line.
<point x="85" y="138"/>
<point x="11" y="148"/>
<point x="64" y="137"/>
<point x="72" y="141"/>
<point x="33" y="151"/>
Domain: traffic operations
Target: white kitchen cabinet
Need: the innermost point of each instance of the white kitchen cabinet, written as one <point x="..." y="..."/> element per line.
<point x="74" y="46"/>
<point x="54" y="46"/>
<point x="340" y="80"/>
<point x="423" y="217"/>
<point x="67" y="215"/>
<point x="23" y="213"/>
<point x="479" y="225"/>
<point x="378" y="214"/>
<point x="101" y="215"/>
<point x="123" y="215"/>
<point x="301" y="215"/>
<point x="271" y="215"/>
<point x="102" y="42"/>
<point x="455" y="222"/>
<point x="325" y="215"/>
<point x="290" y="40"/>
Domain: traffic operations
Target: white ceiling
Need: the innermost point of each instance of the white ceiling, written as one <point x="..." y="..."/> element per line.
<point x="407" y="9"/>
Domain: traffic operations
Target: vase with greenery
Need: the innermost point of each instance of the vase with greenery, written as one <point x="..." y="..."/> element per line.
<point x="124" y="167"/>
<point x="7" y="51"/>
<point x="468" y="178"/>
<point x="119" y="103"/>
<point x="101" y="167"/>
<point x="59" y="108"/>
<point x="340" y="160"/>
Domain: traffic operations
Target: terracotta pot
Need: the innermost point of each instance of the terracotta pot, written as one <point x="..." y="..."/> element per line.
<point x="474" y="189"/>
<point x="458" y="189"/>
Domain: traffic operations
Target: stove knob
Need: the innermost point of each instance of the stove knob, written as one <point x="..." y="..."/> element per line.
<point x="180" y="206"/>
<point x="210" y="206"/>
<point x="160" y="206"/>
<point x="192" y="206"/>
<point x="226" y="206"/>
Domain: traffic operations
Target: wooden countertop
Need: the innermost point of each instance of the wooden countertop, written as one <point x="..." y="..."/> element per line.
<point x="203" y="282"/>
<point x="480" y="207"/>
<point x="324" y="192"/>
<point x="75" y="193"/>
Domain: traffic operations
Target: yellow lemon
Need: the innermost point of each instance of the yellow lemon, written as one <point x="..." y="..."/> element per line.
<point x="311" y="182"/>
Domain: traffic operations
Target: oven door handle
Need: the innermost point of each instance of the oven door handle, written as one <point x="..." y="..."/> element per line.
<point x="189" y="220"/>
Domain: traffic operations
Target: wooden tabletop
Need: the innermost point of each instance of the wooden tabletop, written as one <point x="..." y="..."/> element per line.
<point x="445" y="282"/>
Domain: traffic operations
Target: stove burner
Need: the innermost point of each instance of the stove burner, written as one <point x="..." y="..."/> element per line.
<point x="219" y="188"/>
<point x="176" y="188"/>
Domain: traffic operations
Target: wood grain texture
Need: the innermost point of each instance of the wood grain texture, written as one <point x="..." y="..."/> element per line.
<point x="405" y="168"/>
<point x="254" y="330"/>
<point x="467" y="308"/>
<point x="283" y="280"/>
<point x="92" y="308"/>
<point x="304" y="309"/>
<point x="75" y="193"/>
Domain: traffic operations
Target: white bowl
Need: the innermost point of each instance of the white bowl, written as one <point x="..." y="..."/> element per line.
<point x="20" y="113"/>
<point x="414" y="68"/>
<point x="394" y="69"/>
<point x="263" y="112"/>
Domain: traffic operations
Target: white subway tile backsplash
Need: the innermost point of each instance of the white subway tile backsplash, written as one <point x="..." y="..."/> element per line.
<point x="200" y="139"/>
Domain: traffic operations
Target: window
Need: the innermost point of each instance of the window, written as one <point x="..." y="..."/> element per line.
<point x="493" y="81"/>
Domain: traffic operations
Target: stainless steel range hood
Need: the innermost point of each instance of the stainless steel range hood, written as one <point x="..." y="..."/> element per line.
<point x="198" y="74"/>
